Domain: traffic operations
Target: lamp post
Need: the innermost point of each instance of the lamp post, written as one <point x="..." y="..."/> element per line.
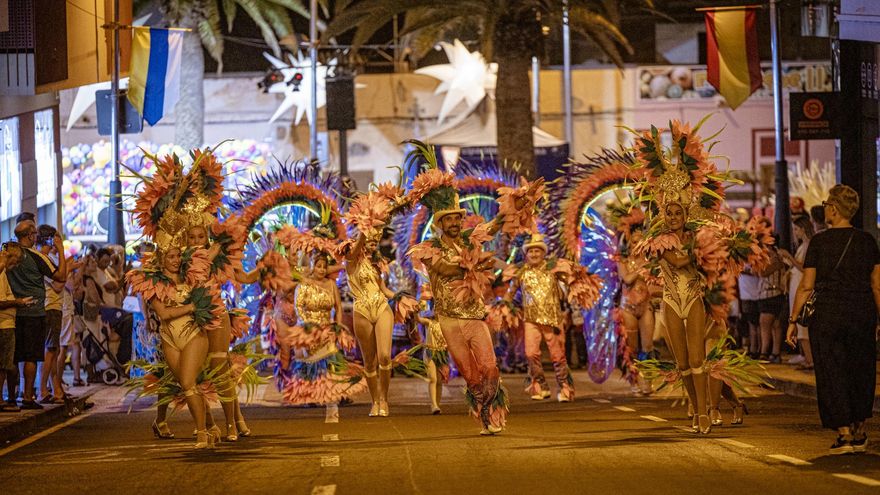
<point x="782" y="216"/>
<point x="566" y="77"/>
<point x="115" y="225"/>
<point x="313" y="82"/>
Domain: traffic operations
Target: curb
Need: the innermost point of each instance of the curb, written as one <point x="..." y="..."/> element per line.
<point x="806" y="390"/>
<point x="49" y="416"/>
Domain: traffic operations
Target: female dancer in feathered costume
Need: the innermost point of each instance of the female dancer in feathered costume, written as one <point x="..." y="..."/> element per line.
<point x="187" y="305"/>
<point x="539" y="279"/>
<point x="436" y="352"/>
<point x="459" y="272"/>
<point x="373" y="316"/>
<point x="698" y="249"/>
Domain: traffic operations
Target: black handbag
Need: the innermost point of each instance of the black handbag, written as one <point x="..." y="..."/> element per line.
<point x="808" y="311"/>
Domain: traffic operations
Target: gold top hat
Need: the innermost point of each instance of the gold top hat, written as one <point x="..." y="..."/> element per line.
<point x="537" y="241"/>
<point x="452" y="208"/>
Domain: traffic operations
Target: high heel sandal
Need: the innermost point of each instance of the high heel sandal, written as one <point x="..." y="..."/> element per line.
<point x="708" y="428"/>
<point x="204" y="440"/>
<point x="690" y="410"/>
<point x="695" y="424"/>
<point x="715" y="416"/>
<point x="383" y="411"/>
<point x="214" y="430"/>
<point x="739" y="410"/>
<point x="243" y="430"/>
<point x="231" y="437"/>
<point x="162" y="431"/>
<point x="374" y="410"/>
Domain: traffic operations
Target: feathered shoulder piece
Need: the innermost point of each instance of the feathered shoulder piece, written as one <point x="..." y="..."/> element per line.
<point x="151" y="283"/>
<point x="516" y="207"/>
<point x="432" y="187"/>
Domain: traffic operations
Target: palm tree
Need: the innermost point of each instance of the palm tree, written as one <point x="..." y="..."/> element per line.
<point x="510" y="33"/>
<point x="204" y="18"/>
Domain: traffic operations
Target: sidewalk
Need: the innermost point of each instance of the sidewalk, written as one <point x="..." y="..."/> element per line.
<point x="790" y="381"/>
<point x="14" y="426"/>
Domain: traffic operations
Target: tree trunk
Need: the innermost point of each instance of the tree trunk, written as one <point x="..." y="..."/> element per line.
<point x="189" y="112"/>
<point x="513" y="53"/>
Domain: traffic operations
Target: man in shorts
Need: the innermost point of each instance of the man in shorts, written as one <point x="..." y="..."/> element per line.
<point x="26" y="280"/>
<point x="10" y="256"/>
<point x="48" y="371"/>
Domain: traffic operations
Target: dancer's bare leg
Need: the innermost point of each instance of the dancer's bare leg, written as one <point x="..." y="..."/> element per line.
<point x="696" y="342"/>
<point x="218" y="349"/>
<point x="365" y="335"/>
<point x="435" y="386"/>
<point x="383" y="331"/>
<point x="186" y="365"/>
<point x="676" y="337"/>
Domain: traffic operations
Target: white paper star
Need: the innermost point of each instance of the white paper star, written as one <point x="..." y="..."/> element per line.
<point x="467" y="77"/>
<point x="300" y="97"/>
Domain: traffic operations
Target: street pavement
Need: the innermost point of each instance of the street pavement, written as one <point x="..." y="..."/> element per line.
<point x="606" y="442"/>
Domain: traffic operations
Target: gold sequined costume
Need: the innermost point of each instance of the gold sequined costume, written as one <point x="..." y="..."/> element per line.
<point x="369" y="301"/>
<point x="177" y="333"/>
<point x="314" y="304"/>
<point x="445" y="303"/>
<point x="682" y="287"/>
<point x="540" y="296"/>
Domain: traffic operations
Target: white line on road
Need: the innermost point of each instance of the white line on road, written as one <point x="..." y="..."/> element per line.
<point x="602" y="401"/>
<point x="858" y="479"/>
<point x="684" y="428"/>
<point x="324" y="490"/>
<point x="624" y="409"/>
<point x="736" y="443"/>
<point x="331" y="437"/>
<point x="791" y="460"/>
<point x="655" y="419"/>
<point x="329" y="461"/>
<point x="332" y="414"/>
<point x="44" y="433"/>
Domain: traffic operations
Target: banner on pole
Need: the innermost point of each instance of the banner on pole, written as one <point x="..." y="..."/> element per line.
<point x="732" y="60"/>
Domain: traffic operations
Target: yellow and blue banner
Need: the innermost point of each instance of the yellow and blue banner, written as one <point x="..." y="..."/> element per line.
<point x="154" y="76"/>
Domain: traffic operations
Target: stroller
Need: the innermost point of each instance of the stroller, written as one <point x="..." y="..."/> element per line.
<point x="98" y="351"/>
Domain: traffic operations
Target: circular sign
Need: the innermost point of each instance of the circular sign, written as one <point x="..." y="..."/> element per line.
<point x="813" y="108"/>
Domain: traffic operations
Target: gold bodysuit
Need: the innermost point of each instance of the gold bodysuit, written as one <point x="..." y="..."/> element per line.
<point x="445" y="303"/>
<point x="177" y="333"/>
<point x="369" y="301"/>
<point x="314" y="304"/>
<point x="540" y="296"/>
<point x="434" y="336"/>
<point x="682" y="287"/>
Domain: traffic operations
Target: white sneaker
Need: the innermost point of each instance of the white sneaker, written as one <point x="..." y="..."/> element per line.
<point x="539" y="396"/>
<point x="562" y="398"/>
<point x="545" y="394"/>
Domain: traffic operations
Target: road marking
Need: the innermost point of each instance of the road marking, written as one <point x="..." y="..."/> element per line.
<point x="331" y="437"/>
<point x="602" y="401"/>
<point x="736" y="443"/>
<point x="324" y="490"/>
<point x="332" y="414"/>
<point x="624" y="409"/>
<point x="329" y="461"/>
<point x="44" y="433"/>
<point x="684" y="429"/>
<point x="791" y="460"/>
<point x="655" y="419"/>
<point x="858" y="479"/>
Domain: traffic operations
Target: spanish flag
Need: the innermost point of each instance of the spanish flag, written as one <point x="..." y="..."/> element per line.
<point x="154" y="76"/>
<point x="732" y="61"/>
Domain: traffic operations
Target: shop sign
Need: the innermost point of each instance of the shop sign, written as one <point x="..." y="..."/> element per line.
<point x="814" y="116"/>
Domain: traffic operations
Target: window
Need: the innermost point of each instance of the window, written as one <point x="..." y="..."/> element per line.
<point x="44" y="146"/>
<point x="10" y="169"/>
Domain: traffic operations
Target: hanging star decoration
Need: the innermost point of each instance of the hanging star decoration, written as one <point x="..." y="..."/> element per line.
<point x="299" y="96"/>
<point x="466" y="78"/>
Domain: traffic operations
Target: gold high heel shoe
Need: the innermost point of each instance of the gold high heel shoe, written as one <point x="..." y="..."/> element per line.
<point x="243" y="430"/>
<point x="204" y="440"/>
<point x="705" y="430"/>
<point x="715" y="416"/>
<point x="383" y="411"/>
<point x="738" y="411"/>
<point x="374" y="410"/>
<point x="233" y="436"/>
<point x="214" y="430"/>
<point x="162" y="431"/>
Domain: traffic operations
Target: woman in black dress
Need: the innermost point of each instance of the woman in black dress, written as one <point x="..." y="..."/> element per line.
<point x="843" y="267"/>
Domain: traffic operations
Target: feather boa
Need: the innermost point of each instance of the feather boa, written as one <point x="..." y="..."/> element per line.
<point x="519" y="220"/>
<point x="151" y="283"/>
<point x="311" y="336"/>
<point x="502" y="315"/>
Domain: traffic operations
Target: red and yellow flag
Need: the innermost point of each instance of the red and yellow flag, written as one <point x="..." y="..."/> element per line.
<point x="732" y="61"/>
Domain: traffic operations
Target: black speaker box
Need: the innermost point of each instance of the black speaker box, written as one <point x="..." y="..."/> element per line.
<point x="340" y="104"/>
<point x="130" y="121"/>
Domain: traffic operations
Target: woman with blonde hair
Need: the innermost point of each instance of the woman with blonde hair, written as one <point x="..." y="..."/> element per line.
<point x="842" y="281"/>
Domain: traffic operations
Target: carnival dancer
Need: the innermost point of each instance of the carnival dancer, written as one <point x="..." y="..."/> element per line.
<point x="700" y="251"/>
<point x="635" y="304"/>
<point x="319" y="372"/>
<point x="543" y="319"/>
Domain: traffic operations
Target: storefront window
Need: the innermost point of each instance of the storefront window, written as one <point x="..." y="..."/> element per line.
<point x="44" y="146"/>
<point x="10" y="169"/>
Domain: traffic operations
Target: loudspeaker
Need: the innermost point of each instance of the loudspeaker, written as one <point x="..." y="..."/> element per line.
<point x="130" y="121"/>
<point x="340" y="104"/>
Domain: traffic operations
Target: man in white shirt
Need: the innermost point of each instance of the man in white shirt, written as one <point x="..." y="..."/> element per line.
<point x="9" y="257"/>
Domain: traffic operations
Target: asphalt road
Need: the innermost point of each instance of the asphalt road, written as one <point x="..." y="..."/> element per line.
<point x="605" y="442"/>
